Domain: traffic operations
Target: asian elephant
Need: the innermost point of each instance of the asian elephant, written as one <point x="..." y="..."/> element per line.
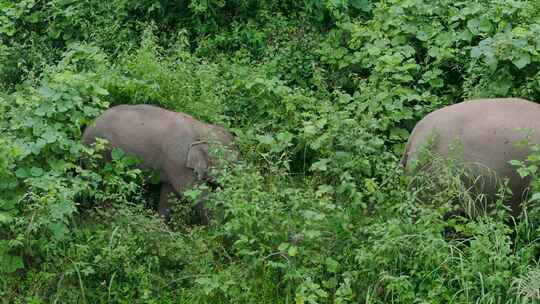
<point x="487" y="131"/>
<point x="173" y="144"/>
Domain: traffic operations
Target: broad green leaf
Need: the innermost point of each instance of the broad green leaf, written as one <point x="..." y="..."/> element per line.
<point x="5" y="217"/>
<point x="331" y="265"/>
<point x="293" y="251"/>
<point x="484" y="25"/>
<point x="422" y="36"/>
<point x="101" y="91"/>
<point x="284" y="136"/>
<point x="473" y="25"/>
<point x="117" y="154"/>
<point x="10" y="263"/>
<point x="476" y="52"/>
<point x="522" y="60"/>
<point x="36" y="172"/>
<point x="535" y="197"/>
<point x="520" y="31"/>
<point x="320" y="165"/>
<point x="515" y="162"/>
<point x="523" y="172"/>
<point x="266" y="139"/>
<point x="22" y="173"/>
<point x="363" y="5"/>
<point x="46" y="92"/>
<point x="399" y="133"/>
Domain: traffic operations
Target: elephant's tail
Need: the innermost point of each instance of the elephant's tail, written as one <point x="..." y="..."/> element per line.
<point x="405" y="156"/>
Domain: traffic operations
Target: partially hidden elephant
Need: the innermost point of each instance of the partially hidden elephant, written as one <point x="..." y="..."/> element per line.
<point x="486" y="131"/>
<point x="173" y="144"/>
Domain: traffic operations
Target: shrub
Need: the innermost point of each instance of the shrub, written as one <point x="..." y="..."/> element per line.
<point x="321" y="96"/>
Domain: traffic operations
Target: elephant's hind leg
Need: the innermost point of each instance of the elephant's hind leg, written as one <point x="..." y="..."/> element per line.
<point x="164" y="206"/>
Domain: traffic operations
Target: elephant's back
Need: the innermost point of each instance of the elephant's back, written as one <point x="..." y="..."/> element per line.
<point x="132" y="122"/>
<point x="138" y="113"/>
<point x="141" y="130"/>
<point x="481" y="109"/>
<point x="486" y="129"/>
<point x="486" y="118"/>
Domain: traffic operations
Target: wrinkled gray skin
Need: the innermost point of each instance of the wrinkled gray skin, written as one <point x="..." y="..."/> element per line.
<point x="174" y="144"/>
<point x="487" y="132"/>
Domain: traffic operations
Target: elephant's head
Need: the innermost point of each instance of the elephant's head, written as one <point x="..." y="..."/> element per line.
<point x="199" y="156"/>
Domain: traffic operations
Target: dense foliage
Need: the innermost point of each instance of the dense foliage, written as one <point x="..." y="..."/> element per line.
<point x="322" y="95"/>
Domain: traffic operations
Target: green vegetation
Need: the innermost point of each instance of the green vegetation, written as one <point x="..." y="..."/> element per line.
<point x="322" y="96"/>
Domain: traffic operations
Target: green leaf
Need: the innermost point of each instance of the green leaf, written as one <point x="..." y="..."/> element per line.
<point x="36" y="172"/>
<point x="320" y="165"/>
<point x="485" y="25"/>
<point x="422" y="36"/>
<point x="332" y="265"/>
<point x="501" y="86"/>
<point x="42" y="110"/>
<point x="46" y="92"/>
<point x="535" y="197"/>
<point x="5" y="218"/>
<point x="117" y="154"/>
<point x="8" y="263"/>
<point x="363" y="5"/>
<point x="473" y="25"/>
<point x="266" y="139"/>
<point x="476" y="52"/>
<point x="310" y="129"/>
<point x="515" y="162"/>
<point x="293" y="251"/>
<point x="59" y="230"/>
<point x="520" y="31"/>
<point x="101" y="91"/>
<point x="284" y="136"/>
<point x="22" y="173"/>
<point x="49" y="136"/>
<point x="324" y="189"/>
<point x="519" y="43"/>
<point x="523" y="172"/>
<point x="192" y="194"/>
<point x="522" y="60"/>
<point x="436" y="82"/>
<point x="399" y="133"/>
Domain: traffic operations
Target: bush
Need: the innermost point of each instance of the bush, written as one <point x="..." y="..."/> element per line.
<point x="321" y="96"/>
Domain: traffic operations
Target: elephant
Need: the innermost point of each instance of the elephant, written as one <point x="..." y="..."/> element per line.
<point x="487" y="131"/>
<point x="173" y="144"/>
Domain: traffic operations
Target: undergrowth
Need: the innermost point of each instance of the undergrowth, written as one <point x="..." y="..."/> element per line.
<point x="322" y="96"/>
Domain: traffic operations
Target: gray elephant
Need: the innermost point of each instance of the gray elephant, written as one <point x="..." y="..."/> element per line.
<point x="487" y="131"/>
<point x="174" y="144"/>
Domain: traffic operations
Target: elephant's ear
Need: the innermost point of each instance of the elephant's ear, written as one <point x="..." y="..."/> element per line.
<point x="198" y="158"/>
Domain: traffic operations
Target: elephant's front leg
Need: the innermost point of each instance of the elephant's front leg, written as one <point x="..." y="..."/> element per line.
<point x="204" y="214"/>
<point x="164" y="206"/>
<point x="177" y="185"/>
